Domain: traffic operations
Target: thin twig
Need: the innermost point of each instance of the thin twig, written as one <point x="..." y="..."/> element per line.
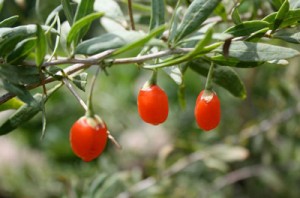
<point x="130" y="12"/>
<point x="81" y="64"/>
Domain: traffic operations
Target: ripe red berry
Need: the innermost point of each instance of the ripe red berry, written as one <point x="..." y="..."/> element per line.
<point x="88" y="137"/>
<point x="153" y="104"/>
<point x="207" y="110"/>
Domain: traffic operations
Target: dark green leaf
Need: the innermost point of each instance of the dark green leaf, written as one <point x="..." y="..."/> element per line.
<point x="157" y="13"/>
<point x="281" y="14"/>
<point x="13" y="103"/>
<point x="196" y="14"/>
<point x="235" y="15"/>
<point x="9" y="21"/>
<point x="66" y="4"/>
<point x="41" y="46"/>
<point x="20" y="75"/>
<point x="233" y="62"/>
<point x="225" y="77"/>
<point x="22" y="115"/>
<point x="257" y="52"/>
<point x="246" y="28"/>
<point x="21" y="51"/>
<point x="75" y="31"/>
<point x="84" y="8"/>
<point x="19" y="91"/>
<point x="80" y="80"/>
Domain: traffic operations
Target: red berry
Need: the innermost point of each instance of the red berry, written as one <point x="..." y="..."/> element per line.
<point x="153" y="104"/>
<point x="88" y="137"/>
<point x="207" y="110"/>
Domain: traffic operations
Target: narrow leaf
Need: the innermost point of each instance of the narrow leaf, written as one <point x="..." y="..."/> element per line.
<point x="246" y="28"/>
<point x="225" y="77"/>
<point x="66" y="4"/>
<point x="234" y="62"/>
<point x="80" y="80"/>
<point x="41" y="46"/>
<point x="9" y="21"/>
<point x="79" y="25"/>
<point x="291" y="36"/>
<point x="21" y="51"/>
<point x="281" y="14"/>
<point x="13" y="103"/>
<point x="196" y="14"/>
<point x="175" y="74"/>
<point x="108" y="41"/>
<point x="157" y="14"/>
<point x="141" y="42"/>
<point x="22" y="115"/>
<point x="20" y="75"/>
<point x="235" y="15"/>
<point x="256" y="52"/>
<point x="19" y="91"/>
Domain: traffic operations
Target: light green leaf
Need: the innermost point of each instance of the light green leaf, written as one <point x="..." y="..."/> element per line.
<point x="141" y="42"/>
<point x="74" y="33"/>
<point x="196" y="14"/>
<point x="288" y="35"/>
<point x="225" y="77"/>
<point x="22" y="115"/>
<point x="13" y="103"/>
<point x="235" y="15"/>
<point x="175" y="73"/>
<point x="246" y="28"/>
<point x="108" y="41"/>
<point x="229" y="153"/>
<point x="41" y="46"/>
<point x="257" y="52"/>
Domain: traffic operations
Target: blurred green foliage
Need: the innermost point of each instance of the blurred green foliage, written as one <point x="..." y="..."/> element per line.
<point x="255" y="152"/>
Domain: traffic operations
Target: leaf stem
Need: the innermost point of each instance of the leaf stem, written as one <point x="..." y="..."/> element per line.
<point x="70" y="87"/>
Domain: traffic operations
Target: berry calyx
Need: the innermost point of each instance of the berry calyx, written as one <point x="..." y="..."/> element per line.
<point x="207" y="110"/>
<point x="88" y="137"/>
<point x="152" y="104"/>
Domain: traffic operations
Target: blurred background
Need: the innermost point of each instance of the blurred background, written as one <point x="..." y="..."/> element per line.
<point x="254" y="152"/>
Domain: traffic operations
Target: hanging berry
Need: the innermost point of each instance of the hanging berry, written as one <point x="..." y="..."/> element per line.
<point x="88" y="137"/>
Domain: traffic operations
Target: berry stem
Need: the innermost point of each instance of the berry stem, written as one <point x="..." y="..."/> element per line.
<point x="90" y="109"/>
<point x="114" y="141"/>
<point x="70" y="87"/>
<point x="153" y="79"/>
<point x="208" y="84"/>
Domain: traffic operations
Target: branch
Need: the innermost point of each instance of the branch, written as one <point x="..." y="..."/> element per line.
<point x="80" y="64"/>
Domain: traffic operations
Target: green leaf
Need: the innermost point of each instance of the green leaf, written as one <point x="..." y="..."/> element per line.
<point x="246" y="28"/>
<point x="229" y="153"/>
<point x="288" y="35"/>
<point x="108" y="41"/>
<point x="21" y="51"/>
<point x="21" y="75"/>
<point x="41" y="46"/>
<point x="13" y="103"/>
<point x="257" y="52"/>
<point x="290" y="19"/>
<point x="233" y="62"/>
<point x="84" y="9"/>
<point x="157" y="14"/>
<point x="281" y="14"/>
<point x="175" y="21"/>
<point x="9" y="21"/>
<point x="111" y="9"/>
<point x="75" y="32"/>
<point x="19" y="91"/>
<point x="142" y="41"/>
<point x="235" y="15"/>
<point x="66" y="4"/>
<point x="80" y="80"/>
<point x="22" y="115"/>
<point x="196" y="14"/>
<point x="225" y="77"/>
<point x="221" y="11"/>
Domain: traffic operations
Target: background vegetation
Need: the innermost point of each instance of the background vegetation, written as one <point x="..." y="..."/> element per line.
<point x="254" y="152"/>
